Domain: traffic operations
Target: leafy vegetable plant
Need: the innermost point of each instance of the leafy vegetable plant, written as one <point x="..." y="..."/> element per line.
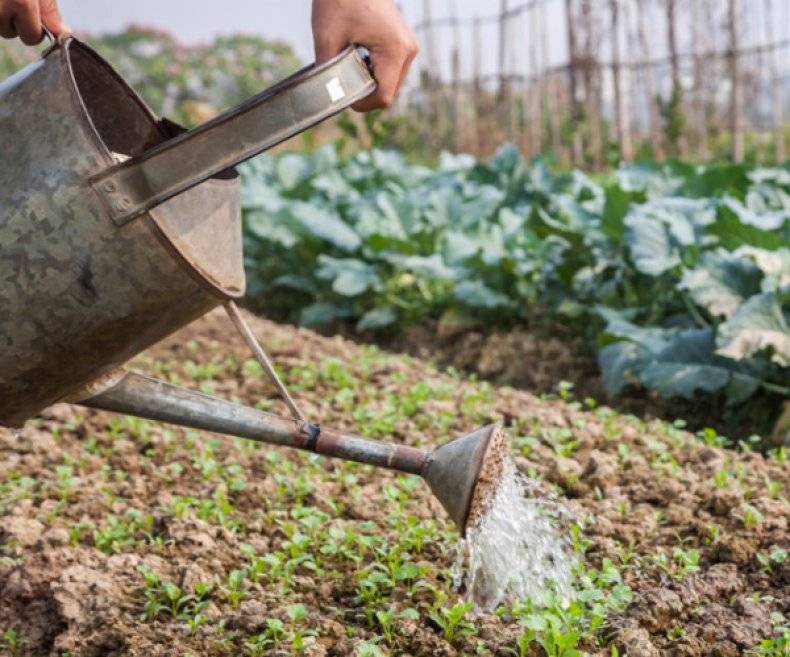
<point x="678" y="274"/>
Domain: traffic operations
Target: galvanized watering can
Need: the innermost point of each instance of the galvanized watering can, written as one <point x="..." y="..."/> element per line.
<point x="118" y="228"/>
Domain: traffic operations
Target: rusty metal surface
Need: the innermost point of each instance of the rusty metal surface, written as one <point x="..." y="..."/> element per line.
<point x="78" y="296"/>
<point x="148" y="398"/>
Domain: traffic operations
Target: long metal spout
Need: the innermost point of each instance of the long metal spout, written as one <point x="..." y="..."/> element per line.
<point x="451" y="471"/>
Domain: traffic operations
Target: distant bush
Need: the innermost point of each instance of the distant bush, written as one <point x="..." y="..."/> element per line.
<point x="188" y="84"/>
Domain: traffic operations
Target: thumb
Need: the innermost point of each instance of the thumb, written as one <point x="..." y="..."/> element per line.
<point x="51" y="18"/>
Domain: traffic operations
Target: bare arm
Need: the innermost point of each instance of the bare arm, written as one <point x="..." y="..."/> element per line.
<point x="25" y="19"/>
<point x="375" y="24"/>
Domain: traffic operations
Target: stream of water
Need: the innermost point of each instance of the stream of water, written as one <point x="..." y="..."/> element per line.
<point x="515" y="550"/>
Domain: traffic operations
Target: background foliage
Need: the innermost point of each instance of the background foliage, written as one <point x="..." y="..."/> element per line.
<point x="186" y="83"/>
<point x="679" y="275"/>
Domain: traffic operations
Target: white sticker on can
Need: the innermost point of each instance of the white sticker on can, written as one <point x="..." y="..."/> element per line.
<point x="335" y="89"/>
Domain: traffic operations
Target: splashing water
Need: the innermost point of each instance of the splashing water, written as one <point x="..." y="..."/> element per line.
<point x="515" y="550"/>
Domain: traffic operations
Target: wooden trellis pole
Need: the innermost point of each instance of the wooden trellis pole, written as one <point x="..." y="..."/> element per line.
<point x="477" y="87"/>
<point x="736" y="97"/>
<point x="456" y="73"/>
<point x="534" y="89"/>
<point x="552" y="104"/>
<point x="503" y="45"/>
<point x="592" y="83"/>
<point x="674" y="62"/>
<point x="622" y="118"/>
<point x="650" y="84"/>
<point x="577" y="147"/>
<point x="699" y="111"/>
<point x="776" y="89"/>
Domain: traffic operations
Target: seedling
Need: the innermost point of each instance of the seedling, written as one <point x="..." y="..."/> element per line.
<point x="776" y="557"/>
<point x="271" y="636"/>
<point x="163" y="597"/>
<point x="687" y="561"/>
<point x="233" y="588"/>
<point x="12" y="642"/>
<point x="451" y="620"/>
<point x="749" y="516"/>
<point x="676" y="633"/>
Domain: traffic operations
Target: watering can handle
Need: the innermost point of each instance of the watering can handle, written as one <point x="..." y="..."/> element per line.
<point x="282" y="111"/>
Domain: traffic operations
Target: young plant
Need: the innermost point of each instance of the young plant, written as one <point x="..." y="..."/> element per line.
<point x="233" y="588"/>
<point x="749" y="516"/>
<point x="451" y="620"/>
<point x="163" y="597"/>
<point x="12" y="642"/>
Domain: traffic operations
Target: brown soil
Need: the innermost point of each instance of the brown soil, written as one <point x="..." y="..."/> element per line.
<point x="544" y="357"/>
<point x="643" y="491"/>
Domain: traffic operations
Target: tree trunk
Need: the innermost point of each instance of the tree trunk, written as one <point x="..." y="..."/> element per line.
<point x="622" y="120"/>
<point x="650" y="84"/>
<point x="776" y="89"/>
<point x="736" y="98"/>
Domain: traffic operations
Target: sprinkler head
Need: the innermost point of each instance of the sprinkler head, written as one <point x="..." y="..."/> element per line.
<point x="464" y="474"/>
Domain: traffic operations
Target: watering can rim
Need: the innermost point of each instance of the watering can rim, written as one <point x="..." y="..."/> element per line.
<point x="227" y="284"/>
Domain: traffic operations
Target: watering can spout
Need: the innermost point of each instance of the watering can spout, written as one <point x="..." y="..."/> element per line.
<point x="452" y="471"/>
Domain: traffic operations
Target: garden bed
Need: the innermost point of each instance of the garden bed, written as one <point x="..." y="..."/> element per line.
<point x="124" y="537"/>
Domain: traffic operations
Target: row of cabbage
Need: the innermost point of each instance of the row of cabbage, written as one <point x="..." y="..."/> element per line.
<point x="679" y="275"/>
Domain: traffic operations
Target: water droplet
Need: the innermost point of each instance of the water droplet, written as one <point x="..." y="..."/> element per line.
<point x="516" y="550"/>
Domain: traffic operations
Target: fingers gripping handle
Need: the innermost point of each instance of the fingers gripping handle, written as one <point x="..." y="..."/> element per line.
<point x="279" y="113"/>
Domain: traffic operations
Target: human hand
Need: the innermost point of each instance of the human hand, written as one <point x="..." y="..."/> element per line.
<point x="26" y="18"/>
<point x="378" y="26"/>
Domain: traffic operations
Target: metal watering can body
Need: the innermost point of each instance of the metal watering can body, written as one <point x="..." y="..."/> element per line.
<point x="117" y="228"/>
